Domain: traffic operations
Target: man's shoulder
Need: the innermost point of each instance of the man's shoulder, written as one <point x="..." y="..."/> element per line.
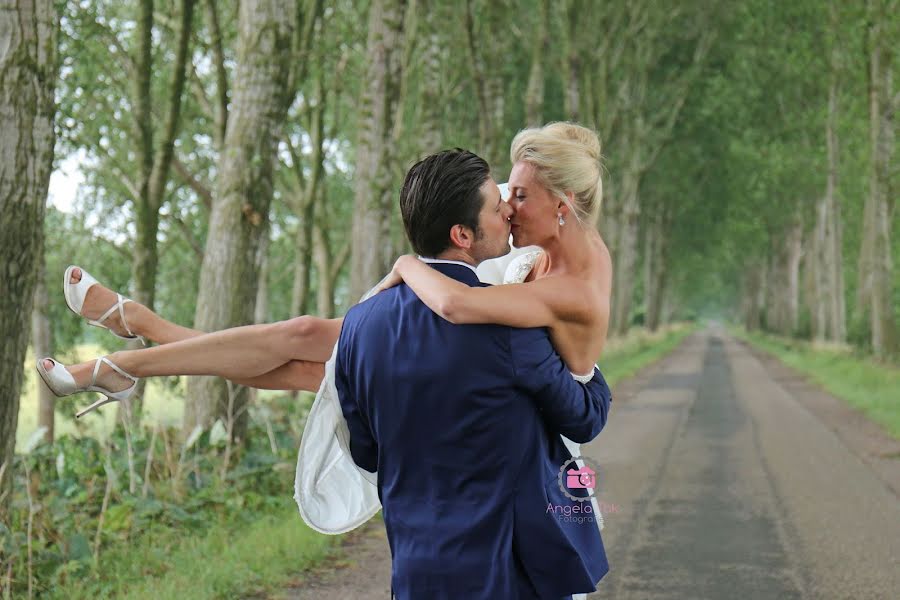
<point x="369" y="307"/>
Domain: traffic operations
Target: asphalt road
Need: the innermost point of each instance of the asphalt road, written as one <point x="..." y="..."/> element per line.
<point x="721" y="478"/>
<point x="728" y="487"/>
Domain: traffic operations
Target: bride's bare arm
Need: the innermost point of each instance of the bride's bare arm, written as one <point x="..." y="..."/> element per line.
<point x="541" y="303"/>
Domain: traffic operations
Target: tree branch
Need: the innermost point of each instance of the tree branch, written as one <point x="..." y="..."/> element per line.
<point x="189" y="236"/>
<point x="221" y="112"/>
<point x="166" y="151"/>
<point x="339" y="262"/>
<point x="187" y="177"/>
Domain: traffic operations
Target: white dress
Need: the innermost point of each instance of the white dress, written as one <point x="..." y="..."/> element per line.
<point x="333" y="494"/>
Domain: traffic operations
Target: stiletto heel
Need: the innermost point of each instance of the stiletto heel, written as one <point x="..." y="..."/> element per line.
<point x="94" y="406"/>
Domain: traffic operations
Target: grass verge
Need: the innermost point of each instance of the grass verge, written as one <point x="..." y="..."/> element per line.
<point x="872" y="387"/>
<point x="625" y="356"/>
<point x="229" y="561"/>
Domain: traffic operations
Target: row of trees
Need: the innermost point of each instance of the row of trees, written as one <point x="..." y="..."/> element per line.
<point x="242" y="159"/>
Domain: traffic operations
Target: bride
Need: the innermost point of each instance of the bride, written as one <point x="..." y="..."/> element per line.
<point x="555" y="188"/>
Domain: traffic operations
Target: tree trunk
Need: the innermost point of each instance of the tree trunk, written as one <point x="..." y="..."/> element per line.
<point x="28" y="74"/>
<point x="42" y="344"/>
<point x="656" y="268"/>
<point x="373" y="196"/>
<point x="574" y="13"/>
<point x="753" y="298"/>
<point x="302" y="260"/>
<point x="431" y="137"/>
<point x="782" y="299"/>
<point x="534" y="94"/>
<point x="324" y="291"/>
<point x="794" y="254"/>
<point x="829" y="309"/>
<point x="821" y="272"/>
<point x="628" y="224"/>
<point x="485" y="58"/>
<point x="878" y="203"/>
<point x="243" y="193"/>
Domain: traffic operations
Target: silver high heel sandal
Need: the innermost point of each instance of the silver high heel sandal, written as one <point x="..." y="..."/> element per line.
<point x="75" y="293"/>
<point x="61" y="383"/>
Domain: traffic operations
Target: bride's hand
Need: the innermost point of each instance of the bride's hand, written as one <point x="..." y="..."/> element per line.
<point x="394" y="277"/>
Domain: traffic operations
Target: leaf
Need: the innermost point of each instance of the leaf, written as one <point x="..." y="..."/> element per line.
<point x="217" y="434"/>
<point x="78" y="547"/>
<point x="35" y="439"/>
<point x="118" y="517"/>
<point x="195" y="435"/>
<point x="60" y="464"/>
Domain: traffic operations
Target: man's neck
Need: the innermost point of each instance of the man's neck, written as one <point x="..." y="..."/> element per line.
<point x="457" y="255"/>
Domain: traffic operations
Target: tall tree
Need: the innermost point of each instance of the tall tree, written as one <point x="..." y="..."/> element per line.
<point x="875" y="255"/>
<point x="371" y="256"/>
<point x="28" y="74"/>
<point x="243" y="192"/>
<point x="829" y="319"/>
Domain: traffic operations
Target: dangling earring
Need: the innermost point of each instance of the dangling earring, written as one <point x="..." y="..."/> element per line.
<point x="562" y="221"/>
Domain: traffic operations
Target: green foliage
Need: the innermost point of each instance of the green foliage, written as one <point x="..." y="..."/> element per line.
<point x="189" y="492"/>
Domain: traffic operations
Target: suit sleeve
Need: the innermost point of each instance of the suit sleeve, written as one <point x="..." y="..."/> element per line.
<point x="363" y="446"/>
<point x="575" y="410"/>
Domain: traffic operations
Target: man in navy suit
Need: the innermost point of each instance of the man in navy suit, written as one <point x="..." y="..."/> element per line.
<point x="462" y="422"/>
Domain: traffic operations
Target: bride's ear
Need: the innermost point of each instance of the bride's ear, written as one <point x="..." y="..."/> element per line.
<point x="565" y="208"/>
<point x="461" y="236"/>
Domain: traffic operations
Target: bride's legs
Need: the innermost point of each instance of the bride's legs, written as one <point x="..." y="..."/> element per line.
<point x="293" y="375"/>
<point x="255" y="355"/>
<point x="285" y="355"/>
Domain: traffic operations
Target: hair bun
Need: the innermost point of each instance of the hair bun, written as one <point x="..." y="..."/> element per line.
<point x="567" y="158"/>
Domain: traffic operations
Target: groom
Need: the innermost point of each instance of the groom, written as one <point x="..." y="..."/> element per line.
<point x="463" y="422"/>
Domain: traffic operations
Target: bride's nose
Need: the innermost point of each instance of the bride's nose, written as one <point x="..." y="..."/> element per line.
<point x="510" y="209"/>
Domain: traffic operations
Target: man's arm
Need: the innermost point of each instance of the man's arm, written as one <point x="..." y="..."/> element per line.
<point x="363" y="447"/>
<point x="575" y="410"/>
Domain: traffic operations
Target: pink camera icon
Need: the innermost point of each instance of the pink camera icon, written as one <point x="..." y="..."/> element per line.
<point x="582" y="478"/>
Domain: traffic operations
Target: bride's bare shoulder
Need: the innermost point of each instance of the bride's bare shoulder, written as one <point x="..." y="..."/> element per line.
<point x="602" y="267"/>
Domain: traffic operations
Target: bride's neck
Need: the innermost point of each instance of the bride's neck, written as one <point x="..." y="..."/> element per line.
<point x="569" y="252"/>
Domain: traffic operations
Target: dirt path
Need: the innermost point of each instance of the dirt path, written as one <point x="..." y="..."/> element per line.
<point x="726" y="475"/>
<point x="360" y="570"/>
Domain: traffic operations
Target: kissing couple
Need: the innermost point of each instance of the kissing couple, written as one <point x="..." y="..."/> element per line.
<point x="456" y="403"/>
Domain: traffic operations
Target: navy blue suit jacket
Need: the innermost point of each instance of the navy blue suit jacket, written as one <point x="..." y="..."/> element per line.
<point x="462" y="423"/>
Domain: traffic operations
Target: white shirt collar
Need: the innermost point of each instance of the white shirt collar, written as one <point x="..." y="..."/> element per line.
<point x="447" y="262"/>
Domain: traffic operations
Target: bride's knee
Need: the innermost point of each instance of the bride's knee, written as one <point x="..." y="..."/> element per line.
<point x="301" y="330"/>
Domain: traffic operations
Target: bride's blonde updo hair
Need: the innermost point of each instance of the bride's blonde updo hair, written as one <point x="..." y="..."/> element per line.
<point x="566" y="158"/>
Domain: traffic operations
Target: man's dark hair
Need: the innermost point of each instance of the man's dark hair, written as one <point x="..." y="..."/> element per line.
<point x="440" y="191"/>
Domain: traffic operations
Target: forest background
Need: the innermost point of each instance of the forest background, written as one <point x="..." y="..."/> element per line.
<point x="228" y="163"/>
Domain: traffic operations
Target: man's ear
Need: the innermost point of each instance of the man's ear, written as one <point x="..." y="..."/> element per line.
<point x="462" y="237"/>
